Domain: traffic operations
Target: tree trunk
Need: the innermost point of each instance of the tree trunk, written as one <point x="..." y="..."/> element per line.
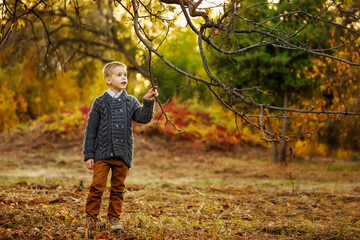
<point x="273" y="145"/>
<point x="282" y="151"/>
<point x="275" y="151"/>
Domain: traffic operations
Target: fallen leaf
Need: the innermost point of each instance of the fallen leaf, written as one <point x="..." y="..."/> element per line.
<point x="101" y="236"/>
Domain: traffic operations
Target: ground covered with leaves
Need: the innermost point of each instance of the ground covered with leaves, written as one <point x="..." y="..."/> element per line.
<point x="175" y="191"/>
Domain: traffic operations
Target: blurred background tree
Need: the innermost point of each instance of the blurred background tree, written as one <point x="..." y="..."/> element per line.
<point x="282" y="73"/>
<point x="180" y="50"/>
<point x="59" y="59"/>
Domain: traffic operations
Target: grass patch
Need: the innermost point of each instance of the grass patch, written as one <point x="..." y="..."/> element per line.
<point x="3" y="161"/>
<point x="158" y="168"/>
<point x="202" y="183"/>
<point x="336" y="168"/>
<point x="347" y="168"/>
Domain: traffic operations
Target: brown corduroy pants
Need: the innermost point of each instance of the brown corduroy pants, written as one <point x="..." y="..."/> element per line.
<point x="119" y="171"/>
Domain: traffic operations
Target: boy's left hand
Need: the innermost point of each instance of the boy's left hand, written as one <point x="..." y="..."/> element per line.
<point x="152" y="93"/>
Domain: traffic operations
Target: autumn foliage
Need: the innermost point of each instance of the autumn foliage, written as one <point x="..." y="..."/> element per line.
<point x="212" y="128"/>
<point x="207" y="128"/>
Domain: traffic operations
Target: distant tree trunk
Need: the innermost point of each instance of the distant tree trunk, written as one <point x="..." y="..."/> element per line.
<point x="282" y="151"/>
<point x="273" y="145"/>
<point x="275" y="151"/>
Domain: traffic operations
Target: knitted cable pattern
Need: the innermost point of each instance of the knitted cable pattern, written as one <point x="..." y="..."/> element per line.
<point x="112" y="125"/>
<point x="102" y="136"/>
<point x="129" y="111"/>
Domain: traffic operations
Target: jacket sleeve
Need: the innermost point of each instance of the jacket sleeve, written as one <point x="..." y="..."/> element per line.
<point x="91" y="129"/>
<point x="143" y="114"/>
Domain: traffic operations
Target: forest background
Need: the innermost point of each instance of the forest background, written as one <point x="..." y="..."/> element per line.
<point x="49" y="78"/>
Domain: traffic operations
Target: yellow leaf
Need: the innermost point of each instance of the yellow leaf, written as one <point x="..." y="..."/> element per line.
<point x="3" y="22"/>
<point x="1" y="36"/>
<point x="128" y="5"/>
<point x="217" y="33"/>
<point x="306" y="143"/>
<point x="12" y="25"/>
<point x="157" y="8"/>
<point x="27" y="4"/>
<point x="172" y="8"/>
<point x="20" y="24"/>
<point x="171" y="24"/>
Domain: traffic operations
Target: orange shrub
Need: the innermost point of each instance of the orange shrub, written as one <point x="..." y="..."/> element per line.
<point x="209" y="127"/>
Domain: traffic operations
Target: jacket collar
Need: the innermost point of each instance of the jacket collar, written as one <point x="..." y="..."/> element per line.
<point x="113" y="94"/>
<point x="123" y="95"/>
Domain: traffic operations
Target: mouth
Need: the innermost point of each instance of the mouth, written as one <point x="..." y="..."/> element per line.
<point x="123" y="83"/>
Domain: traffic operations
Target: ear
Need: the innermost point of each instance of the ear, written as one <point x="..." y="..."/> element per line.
<point x="107" y="80"/>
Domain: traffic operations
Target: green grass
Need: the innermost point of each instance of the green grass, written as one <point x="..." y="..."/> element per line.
<point x="203" y="183"/>
<point x="3" y="161"/>
<point x="347" y="168"/>
<point x="24" y="179"/>
<point x="336" y="168"/>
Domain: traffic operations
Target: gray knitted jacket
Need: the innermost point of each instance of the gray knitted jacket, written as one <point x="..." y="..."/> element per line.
<point x="108" y="132"/>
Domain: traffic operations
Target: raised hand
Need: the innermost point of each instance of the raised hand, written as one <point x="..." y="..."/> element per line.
<point x="152" y="93"/>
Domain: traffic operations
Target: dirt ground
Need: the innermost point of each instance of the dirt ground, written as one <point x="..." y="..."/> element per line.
<point x="175" y="191"/>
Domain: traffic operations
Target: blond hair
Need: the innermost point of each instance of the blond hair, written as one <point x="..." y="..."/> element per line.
<point x="110" y="66"/>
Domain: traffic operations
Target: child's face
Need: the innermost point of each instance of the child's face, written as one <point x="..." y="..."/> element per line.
<point x="117" y="81"/>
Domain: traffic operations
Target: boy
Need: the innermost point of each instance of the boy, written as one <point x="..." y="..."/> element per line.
<point x="108" y="142"/>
